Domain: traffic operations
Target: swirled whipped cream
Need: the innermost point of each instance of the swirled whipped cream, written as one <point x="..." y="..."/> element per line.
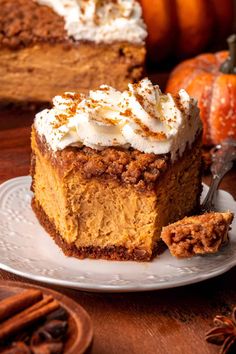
<point x="141" y="118"/>
<point x="101" y="20"/>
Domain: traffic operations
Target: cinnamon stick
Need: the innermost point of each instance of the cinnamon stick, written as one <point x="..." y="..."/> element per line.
<point x="46" y="300"/>
<point x="28" y="317"/>
<point x="16" y="303"/>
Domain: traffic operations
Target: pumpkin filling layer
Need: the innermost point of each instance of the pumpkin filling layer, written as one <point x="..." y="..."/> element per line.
<point x="104" y="217"/>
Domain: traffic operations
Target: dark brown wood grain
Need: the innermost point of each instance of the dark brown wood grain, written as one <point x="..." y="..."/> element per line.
<point x="163" y="322"/>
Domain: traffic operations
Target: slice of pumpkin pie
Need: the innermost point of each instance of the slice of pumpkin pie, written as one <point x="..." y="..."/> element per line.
<point x="111" y="168"/>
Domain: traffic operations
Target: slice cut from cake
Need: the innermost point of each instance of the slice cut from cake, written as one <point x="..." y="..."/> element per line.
<point x="201" y="234"/>
<point x="68" y="45"/>
<point x="110" y="169"/>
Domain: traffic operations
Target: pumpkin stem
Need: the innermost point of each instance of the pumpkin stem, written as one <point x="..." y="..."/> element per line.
<point x="229" y="66"/>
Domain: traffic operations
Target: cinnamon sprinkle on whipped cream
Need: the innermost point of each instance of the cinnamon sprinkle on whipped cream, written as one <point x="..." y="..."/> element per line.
<point x="101" y="20"/>
<point x="141" y="118"/>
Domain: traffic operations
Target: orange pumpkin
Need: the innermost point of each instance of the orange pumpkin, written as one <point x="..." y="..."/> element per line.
<point x="185" y="27"/>
<point x="211" y="79"/>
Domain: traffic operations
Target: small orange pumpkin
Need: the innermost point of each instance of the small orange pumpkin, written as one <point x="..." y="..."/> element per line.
<point x="211" y="79"/>
<point x="185" y="27"/>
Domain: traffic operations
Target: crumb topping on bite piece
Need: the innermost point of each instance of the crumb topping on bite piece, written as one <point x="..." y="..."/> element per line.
<point x="201" y="234"/>
<point x="141" y="118"/>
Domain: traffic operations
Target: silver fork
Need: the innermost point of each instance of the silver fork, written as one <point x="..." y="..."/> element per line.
<point x="223" y="157"/>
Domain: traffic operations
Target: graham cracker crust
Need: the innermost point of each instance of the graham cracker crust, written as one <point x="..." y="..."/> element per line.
<point x="118" y="253"/>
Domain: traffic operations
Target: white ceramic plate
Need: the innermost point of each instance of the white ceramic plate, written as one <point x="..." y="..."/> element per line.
<point x="27" y="250"/>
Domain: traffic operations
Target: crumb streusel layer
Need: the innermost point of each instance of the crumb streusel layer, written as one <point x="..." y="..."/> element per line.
<point x="24" y="22"/>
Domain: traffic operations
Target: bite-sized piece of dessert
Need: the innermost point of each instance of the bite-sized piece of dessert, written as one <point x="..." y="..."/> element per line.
<point x="50" y="46"/>
<point x="201" y="234"/>
<point x="110" y="169"/>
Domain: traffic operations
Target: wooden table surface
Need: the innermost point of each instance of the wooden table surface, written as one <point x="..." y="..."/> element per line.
<point x="163" y="322"/>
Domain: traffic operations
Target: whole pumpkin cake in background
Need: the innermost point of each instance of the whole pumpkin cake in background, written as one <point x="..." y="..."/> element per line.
<point x="50" y="46"/>
<point x="111" y="168"/>
<point x="211" y="79"/>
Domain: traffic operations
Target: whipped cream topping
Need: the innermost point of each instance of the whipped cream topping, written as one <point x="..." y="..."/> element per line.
<point x="101" y="20"/>
<point x="141" y="117"/>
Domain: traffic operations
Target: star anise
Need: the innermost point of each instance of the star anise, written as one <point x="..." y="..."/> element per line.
<point x="224" y="333"/>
